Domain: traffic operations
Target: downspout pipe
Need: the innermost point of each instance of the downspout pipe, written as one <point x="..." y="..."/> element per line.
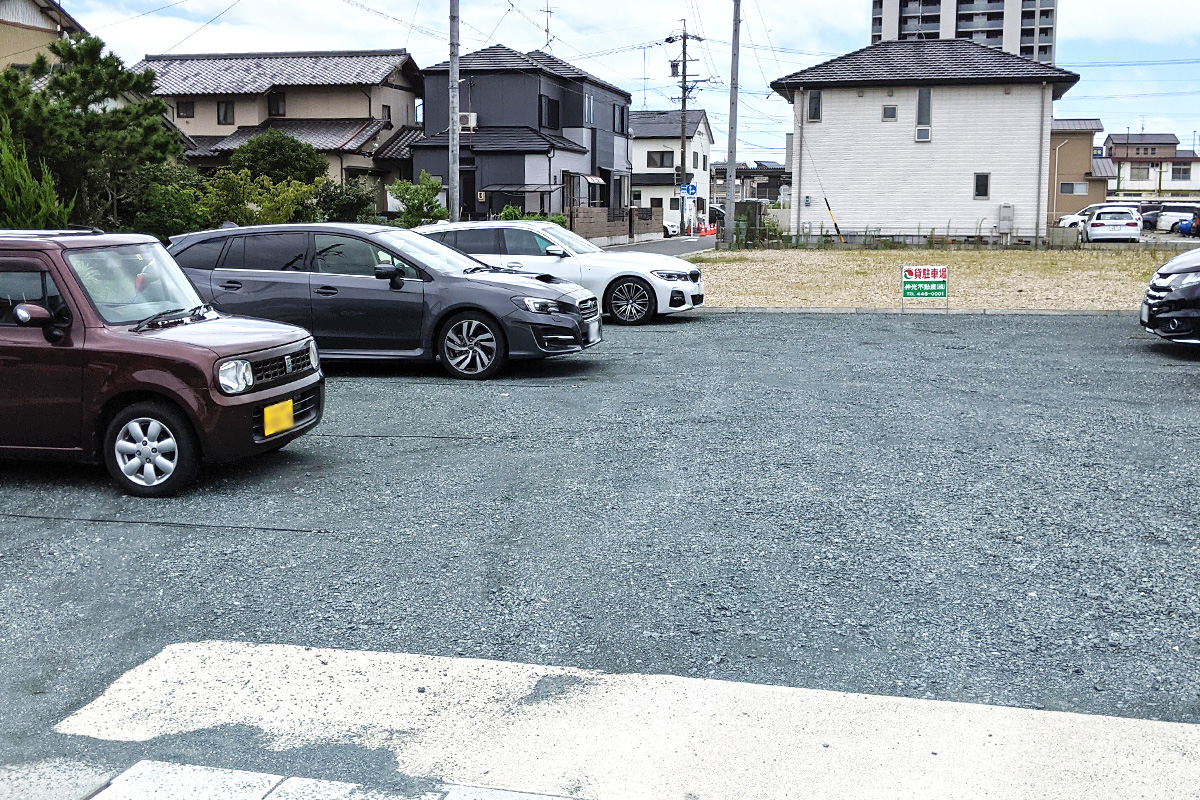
<point x="1041" y="182"/>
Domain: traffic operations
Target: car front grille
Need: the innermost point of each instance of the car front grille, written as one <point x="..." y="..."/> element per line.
<point x="272" y="369"/>
<point x="589" y="309"/>
<point x="694" y="275"/>
<point x="305" y="407"/>
<point x="697" y="299"/>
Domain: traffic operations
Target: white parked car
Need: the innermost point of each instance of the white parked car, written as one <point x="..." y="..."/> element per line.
<point x="1112" y="223"/>
<point x="1174" y="213"/>
<point x="633" y="287"/>
<point x="1077" y="219"/>
<point x="670" y="227"/>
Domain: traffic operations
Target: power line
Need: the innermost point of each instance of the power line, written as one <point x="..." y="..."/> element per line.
<point x="202" y="27"/>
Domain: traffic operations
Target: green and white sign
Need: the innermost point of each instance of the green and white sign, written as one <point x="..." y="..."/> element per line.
<point x="924" y="282"/>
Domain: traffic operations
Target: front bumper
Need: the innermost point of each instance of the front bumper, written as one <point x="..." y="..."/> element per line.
<point x="533" y="335"/>
<point x="1173" y="315"/>
<point x="233" y="427"/>
<point x="678" y="295"/>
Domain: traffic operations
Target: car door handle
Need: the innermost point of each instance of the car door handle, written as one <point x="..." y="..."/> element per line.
<point x="515" y="264"/>
<point x="231" y="286"/>
<point x="325" y="291"/>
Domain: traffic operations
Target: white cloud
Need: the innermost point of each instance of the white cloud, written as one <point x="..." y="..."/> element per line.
<point x="1161" y="22"/>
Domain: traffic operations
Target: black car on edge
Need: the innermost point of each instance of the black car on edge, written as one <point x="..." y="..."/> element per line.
<point x="378" y="292"/>
<point x="1171" y="308"/>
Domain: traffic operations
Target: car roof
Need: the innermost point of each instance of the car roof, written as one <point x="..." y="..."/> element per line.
<point x="530" y="224"/>
<point x="341" y="227"/>
<point x="69" y="239"/>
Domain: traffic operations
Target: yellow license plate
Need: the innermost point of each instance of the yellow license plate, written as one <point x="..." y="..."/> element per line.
<point x="277" y="418"/>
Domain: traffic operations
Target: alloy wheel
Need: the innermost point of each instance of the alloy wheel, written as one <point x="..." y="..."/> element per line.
<point x="146" y="452"/>
<point x="630" y="302"/>
<point x="471" y="346"/>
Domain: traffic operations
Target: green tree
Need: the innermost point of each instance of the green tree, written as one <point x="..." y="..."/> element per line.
<point x="352" y="201"/>
<point x="25" y="201"/>
<point x="93" y="124"/>
<point x="420" y="200"/>
<point x="280" y="157"/>
<point x="511" y="213"/>
<point x="166" y="200"/>
<point x="243" y="199"/>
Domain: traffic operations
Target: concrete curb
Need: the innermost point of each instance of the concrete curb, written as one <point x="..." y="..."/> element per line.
<point x="1048" y="312"/>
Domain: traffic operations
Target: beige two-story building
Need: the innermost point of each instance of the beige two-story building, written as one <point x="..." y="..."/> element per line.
<point x="1077" y="178"/>
<point x="357" y="107"/>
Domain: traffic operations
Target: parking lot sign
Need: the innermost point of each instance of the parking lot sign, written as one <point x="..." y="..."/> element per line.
<point x="923" y="283"/>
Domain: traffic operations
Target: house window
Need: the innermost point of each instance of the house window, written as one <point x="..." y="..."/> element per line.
<point x="924" y="107"/>
<point x="814" y="106"/>
<point x="276" y="105"/>
<point x="548" y="112"/>
<point x="225" y="112"/>
<point x="589" y="108"/>
<point x="1153" y="151"/>
<point x="1137" y="151"/>
<point x="386" y="112"/>
<point x="1181" y="172"/>
<point x="637" y="197"/>
<point x="1139" y="172"/>
<point x="983" y="185"/>
<point x="656" y="202"/>
<point x="1073" y="188"/>
<point x="619" y="112"/>
<point x="674" y="203"/>
<point x="660" y="159"/>
<point x="705" y="168"/>
<point x="695" y="160"/>
<point x="889" y="113"/>
<point x="185" y="109"/>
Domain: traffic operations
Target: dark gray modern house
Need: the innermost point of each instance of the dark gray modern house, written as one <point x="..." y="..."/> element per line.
<point x="537" y="132"/>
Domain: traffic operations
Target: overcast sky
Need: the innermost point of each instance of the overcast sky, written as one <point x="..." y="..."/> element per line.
<point x="779" y="37"/>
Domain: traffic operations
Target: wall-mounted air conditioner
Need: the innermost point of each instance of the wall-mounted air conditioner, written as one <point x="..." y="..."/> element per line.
<point x="468" y="121"/>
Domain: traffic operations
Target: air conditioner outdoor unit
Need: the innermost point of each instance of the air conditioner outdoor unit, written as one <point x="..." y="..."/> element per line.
<point x="468" y="121"/>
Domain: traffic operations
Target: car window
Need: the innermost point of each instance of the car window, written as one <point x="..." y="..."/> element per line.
<point x="202" y="255"/>
<point x="407" y="271"/>
<point x="1114" y="215"/>
<point x="520" y="242"/>
<point x="343" y="255"/>
<point x="33" y="286"/>
<point x="267" y="251"/>
<point x="477" y="241"/>
<point x="128" y="283"/>
<point x="445" y="237"/>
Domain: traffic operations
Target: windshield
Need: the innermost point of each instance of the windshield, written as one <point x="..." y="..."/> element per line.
<point x="131" y="282"/>
<point x="432" y="255"/>
<point x="573" y="241"/>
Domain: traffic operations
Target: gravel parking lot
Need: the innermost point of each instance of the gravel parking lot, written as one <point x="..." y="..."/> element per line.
<point x="987" y="509"/>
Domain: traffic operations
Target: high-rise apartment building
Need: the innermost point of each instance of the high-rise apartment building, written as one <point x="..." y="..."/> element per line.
<point x="1023" y="27"/>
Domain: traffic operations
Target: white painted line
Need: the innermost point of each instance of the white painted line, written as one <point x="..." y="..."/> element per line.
<point x="562" y="731"/>
<point x="481" y="793"/>
<point x="311" y="789"/>
<point x="161" y="780"/>
<point x="52" y="779"/>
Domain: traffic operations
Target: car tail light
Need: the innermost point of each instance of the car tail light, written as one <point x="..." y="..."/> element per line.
<point x="1097" y="224"/>
<point x="1130" y="224"/>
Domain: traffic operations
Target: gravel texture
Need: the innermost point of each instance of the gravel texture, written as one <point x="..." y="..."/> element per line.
<point x="986" y="509"/>
<point x="1016" y="279"/>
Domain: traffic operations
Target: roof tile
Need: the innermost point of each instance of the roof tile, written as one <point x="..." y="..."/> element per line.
<point x="254" y="73"/>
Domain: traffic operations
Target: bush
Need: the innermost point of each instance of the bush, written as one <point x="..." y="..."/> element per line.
<point x="280" y="158"/>
<point x="511" y="213"/>
<point x="239" y="198"/>
<point x="352" y="201"/>
<point x="166" y="201"/>
<point x="559" y="219"/>
<point x="420" y="201"/>
<point x="25" y="201"/>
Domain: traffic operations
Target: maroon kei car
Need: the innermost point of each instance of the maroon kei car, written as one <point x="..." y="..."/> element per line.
<point x="108" y="354"/>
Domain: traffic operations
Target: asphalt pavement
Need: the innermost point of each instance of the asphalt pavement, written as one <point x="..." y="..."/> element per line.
<point x="675" y="246"/>
<point x="994" y="510"/>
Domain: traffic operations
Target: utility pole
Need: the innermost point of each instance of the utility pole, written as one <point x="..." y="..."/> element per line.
<point x="548" y="12"/>
<point x="684" y="90"/>
<point x="453" y="187"/>
<point x="731" y="147"/>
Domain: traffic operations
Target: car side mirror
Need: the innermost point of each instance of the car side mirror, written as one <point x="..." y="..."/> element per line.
<point x="555" y="250"/>
<point x="28" y="315"/>
<point x="386" y="272"/>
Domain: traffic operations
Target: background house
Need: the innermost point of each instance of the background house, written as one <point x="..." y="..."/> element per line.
<point x="1077" y="179"/>
<point x="1152" y="165"/>
<point x="911" y="136"/>
<point x="28" y="26"/>
<point x="657" y="176"/>
<point x="765" y="180"/>
<point x="346" y="104"/>
<point x="546" y="136"/>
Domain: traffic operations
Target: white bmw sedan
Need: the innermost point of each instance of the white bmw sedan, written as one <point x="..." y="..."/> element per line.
<point x="634" y="287"/>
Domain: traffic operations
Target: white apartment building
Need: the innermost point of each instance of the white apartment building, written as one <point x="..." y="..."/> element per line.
<point x="1152" y="165"/>
<point x="656" y="177"/>
<point x="923" y="136"/>
<point x="1021" y="27"/>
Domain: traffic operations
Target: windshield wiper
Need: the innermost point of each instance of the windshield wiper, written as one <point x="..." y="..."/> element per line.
<point x="473" y="270"/>
<point x="173" y="315"/>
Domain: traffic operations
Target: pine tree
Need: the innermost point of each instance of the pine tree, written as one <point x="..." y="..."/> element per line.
<point x="25" y="201"/>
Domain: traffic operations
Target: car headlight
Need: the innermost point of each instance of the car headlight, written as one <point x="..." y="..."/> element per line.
<point x="538" y="305"/>
<point x="314" y="357"/>
<point x="1189" y="278"/>
<point x="668" y="275"/>
<point x="235" y="377"/>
